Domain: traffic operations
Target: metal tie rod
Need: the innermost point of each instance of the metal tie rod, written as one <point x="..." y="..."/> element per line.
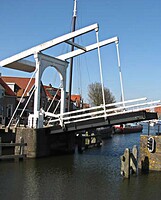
<point x="76" y="45"/>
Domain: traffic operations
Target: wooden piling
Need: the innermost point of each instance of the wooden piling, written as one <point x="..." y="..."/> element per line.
<point x="18" y="156"/>
<point x="125" y="163"/>
<point x="134" y="160"/>
<point x="21" y="152"/>
<point x="129" y="162"/>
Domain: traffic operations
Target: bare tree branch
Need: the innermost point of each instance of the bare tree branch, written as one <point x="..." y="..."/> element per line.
<point x="95" y="94"/>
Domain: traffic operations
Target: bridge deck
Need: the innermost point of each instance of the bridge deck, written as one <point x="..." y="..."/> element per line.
<point x="102" y="122"/>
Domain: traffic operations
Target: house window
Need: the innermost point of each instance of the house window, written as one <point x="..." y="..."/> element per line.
<point x="9" y="110"/>
<point x="1" y="93"/>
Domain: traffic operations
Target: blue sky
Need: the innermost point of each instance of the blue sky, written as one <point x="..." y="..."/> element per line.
<point x="25" y="24"/>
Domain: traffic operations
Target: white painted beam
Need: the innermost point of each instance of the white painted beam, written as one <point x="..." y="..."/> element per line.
<point x="47" y="45"/>
<point x="88" y="48"/>
<point x="28" y="66"/>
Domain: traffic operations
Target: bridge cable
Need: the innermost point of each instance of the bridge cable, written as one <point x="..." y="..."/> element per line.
<point x="100" y="66"/>
<point x="57" y="106"/>
<point x="25" y="105"/>
<point x="21" y="98"/>
<point x="54" y="110"/>
<point x="53" y="98"/>
<point x="121" y="82"/>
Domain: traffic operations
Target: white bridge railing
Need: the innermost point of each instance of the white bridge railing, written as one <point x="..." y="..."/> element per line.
<point x="102" y="111"/>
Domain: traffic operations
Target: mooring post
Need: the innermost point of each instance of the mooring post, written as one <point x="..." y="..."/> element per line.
<point x="125" y="163"/>
<point x="129" y="162"/>
<point x="134" y="160"/>
<point x="21" y="152"/>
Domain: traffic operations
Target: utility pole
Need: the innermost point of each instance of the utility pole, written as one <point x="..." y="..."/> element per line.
<point x="71" y="59"/>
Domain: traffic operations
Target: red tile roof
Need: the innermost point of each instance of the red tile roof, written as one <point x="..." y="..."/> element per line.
<point x="49" y="95"/>
<point x="75" y="97"/>
<point x="21" y="82"/>
<point x="8" y="90"/>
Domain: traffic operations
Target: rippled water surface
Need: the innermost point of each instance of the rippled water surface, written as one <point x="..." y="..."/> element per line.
<point x="93" y="175"/>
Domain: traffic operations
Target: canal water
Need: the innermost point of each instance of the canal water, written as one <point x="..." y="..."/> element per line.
<point x="93" y="175"/>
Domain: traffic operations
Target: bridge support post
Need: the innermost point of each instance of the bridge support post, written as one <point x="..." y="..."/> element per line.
<point x="36" y="120"/>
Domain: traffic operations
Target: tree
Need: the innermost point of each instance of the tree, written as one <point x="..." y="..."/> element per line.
<point x="95" y="94"/>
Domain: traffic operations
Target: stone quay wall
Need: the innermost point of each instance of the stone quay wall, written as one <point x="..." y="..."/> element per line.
<point x="150" y="160"/>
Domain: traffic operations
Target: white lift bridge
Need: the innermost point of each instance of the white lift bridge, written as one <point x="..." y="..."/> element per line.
<point x="103" y="115"/>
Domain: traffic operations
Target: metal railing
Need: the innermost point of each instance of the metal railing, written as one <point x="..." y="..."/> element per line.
<point x="99" y="111"/>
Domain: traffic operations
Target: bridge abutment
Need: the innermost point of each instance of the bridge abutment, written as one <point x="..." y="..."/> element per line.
<point x="41" y="142"/>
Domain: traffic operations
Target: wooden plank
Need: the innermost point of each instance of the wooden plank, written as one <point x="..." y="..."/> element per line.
<point x="12" y="144"/>
<point x="22" y="65"/>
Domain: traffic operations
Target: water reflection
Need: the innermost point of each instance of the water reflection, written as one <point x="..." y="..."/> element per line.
<point x="93" y="175"/>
